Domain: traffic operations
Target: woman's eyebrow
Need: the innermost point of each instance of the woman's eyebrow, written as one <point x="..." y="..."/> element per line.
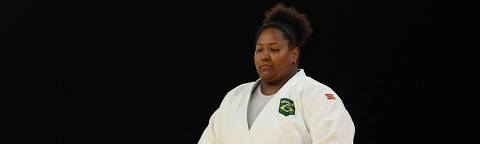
<point x="267" y="43"/>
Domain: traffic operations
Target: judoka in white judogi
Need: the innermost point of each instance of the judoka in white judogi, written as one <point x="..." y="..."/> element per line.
<point x="303" y="111"/>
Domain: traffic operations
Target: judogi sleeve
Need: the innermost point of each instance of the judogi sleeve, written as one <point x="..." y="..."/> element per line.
<point x="326" y="118"/>
<point x="213" y="133"/>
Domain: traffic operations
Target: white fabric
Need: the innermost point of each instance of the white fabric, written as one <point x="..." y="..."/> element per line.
<point x="256" y="104"/>
<point x="320" y="117"/>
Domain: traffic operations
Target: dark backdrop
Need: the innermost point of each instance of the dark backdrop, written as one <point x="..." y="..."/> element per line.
<point x="130" y="71"/>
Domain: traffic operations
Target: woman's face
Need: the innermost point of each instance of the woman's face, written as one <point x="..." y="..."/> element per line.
<point x="274" y="60"/>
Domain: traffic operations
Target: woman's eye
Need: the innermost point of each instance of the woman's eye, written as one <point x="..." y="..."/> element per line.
<point x="274" y="50"/>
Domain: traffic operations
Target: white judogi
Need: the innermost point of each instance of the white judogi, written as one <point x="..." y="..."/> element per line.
<point x="319" y="116"/>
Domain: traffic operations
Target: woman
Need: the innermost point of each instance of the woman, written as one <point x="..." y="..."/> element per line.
<point x="284" y="105"/>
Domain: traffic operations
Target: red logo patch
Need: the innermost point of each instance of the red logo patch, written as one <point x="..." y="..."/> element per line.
<point x="330" y="96"/>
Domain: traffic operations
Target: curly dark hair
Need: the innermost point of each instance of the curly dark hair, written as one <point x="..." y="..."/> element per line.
<point x="288" y="15"/>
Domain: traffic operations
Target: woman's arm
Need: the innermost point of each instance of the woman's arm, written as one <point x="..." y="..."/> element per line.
<point x="326" y="118"/>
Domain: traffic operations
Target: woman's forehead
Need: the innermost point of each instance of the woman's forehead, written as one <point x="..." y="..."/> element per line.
<point x="271" y="35"/>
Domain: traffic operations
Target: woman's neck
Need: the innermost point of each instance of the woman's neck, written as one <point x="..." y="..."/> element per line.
<point x="270" y="88"/>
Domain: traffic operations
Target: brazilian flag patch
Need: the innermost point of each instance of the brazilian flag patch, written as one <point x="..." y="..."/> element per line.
<point x="286" y="107"/>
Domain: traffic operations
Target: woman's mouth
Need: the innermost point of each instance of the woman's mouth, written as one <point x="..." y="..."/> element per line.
<point x="265" y="67"/>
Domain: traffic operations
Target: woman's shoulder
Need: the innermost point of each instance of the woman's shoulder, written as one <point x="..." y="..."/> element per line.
<point x="239" y="90"/>
<point x="313" y="89"/>
<point x="312" y="84"/>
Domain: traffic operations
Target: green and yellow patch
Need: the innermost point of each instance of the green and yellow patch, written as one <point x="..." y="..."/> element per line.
<point x="286" y="107"/>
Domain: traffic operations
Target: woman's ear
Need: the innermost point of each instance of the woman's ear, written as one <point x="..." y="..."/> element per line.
<point x="295" y="53"/>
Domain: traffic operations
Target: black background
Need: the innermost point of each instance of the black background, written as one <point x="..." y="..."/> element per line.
<point x="131" y="71"/>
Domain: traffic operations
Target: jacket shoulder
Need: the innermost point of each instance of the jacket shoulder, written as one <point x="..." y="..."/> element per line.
<point x="312" y="84"/>
<point x="312" y="89"/>
<point x="236" y="92"/>
<point x="241" y="88"/>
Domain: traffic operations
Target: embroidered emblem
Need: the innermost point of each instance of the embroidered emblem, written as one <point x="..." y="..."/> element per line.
<point x="286" y="107"/>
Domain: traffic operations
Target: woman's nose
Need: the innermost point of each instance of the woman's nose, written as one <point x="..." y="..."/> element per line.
<point x="265" y="55"/>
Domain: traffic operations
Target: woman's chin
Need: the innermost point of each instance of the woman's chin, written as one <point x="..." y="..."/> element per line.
<point x="265" y="76"/>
